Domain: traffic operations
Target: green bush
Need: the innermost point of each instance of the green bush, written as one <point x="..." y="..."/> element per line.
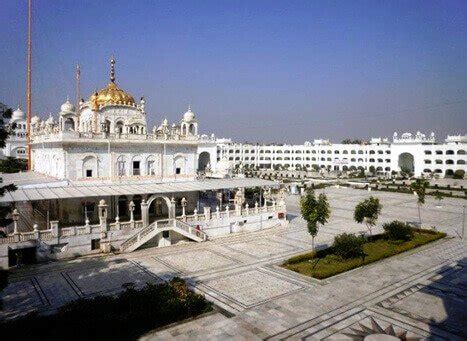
<point x="398" y="230"/>
<point x="348" y="245"/>
<point x="459" y="174"/>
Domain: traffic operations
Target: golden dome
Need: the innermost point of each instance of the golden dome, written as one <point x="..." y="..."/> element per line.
<point x="111" y="94"/>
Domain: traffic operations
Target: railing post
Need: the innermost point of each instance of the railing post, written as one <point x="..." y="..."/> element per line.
<point x="218" y="214"/>
<point x="247" y="209"/>
<point x="256" y="207"/>
<point x="54" y="228"/>
<point x="227" y="212"/>
<point x="207" y="212"/>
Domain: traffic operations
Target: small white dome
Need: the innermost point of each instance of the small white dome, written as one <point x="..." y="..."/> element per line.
<point x="35" y="120"/>
<point x="18" y="114"/>
<point x="50" y="120"/>
<point x="189" y="115"/>
<point x="67" y="107"/>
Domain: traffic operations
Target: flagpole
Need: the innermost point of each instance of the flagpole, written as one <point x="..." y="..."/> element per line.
<point x="29" y="85"/>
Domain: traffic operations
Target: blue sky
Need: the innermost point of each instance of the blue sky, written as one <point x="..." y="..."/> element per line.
<point x="266" y="71"/>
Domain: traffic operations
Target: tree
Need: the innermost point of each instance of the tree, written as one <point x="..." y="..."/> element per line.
<point x="367" y="212"/>
<point x="438" y="196"/>
<point x="12" y="165"/>
<point x="5" y="131"/>
<point x="419" y="187"/>
<point x="315" y="211"/>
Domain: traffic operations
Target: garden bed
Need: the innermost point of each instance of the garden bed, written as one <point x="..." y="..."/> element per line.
<point x="324" y="263"/>
<point x="125" y="316"/>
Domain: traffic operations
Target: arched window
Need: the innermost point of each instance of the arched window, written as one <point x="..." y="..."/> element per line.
<point x="461" y="152"/>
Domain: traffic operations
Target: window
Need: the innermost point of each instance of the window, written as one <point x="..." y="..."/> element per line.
<point x="151" y="170"/>
<point x="165" y="234"/>
<point x="95" y="244"/>
<point x="120" y="168"/>
<point x="427" y="152"/>
<point x="178" y="170"/>
<point x="136" y="170"/>
<point x="89" y="173"/>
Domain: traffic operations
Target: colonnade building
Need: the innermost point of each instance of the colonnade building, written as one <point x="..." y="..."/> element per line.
<point x="416" y="153"/>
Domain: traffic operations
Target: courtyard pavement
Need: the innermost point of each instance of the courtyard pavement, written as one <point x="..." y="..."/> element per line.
<point x="420" y="294"/>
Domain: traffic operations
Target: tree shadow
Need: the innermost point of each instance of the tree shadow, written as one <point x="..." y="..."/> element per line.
<point x="35" y="291"/>
<point x="449" y="287"/>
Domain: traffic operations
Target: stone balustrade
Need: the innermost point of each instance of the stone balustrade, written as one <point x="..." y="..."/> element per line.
<point x="56" y="232"/>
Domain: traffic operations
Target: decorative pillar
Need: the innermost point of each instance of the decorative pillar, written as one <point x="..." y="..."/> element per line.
<point x="131" y="208"/>
<point x="218" y="213"/>
<point x="145" y="212"/>
<point x="103" y="216"/>
<point x="195" y="214"/>
<point x="227" y="213"/>
<point x="256" y="207"/>
<point x="35" y="228"/>
<point x="172" y="208"/>
<point x="247" y="209"/>
<point x="117" y="222"/>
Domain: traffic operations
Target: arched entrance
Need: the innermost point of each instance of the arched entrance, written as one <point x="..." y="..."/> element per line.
<point x="160" y="207"/>
<point x="406" y="163"/>
<point x="203" y="160"/>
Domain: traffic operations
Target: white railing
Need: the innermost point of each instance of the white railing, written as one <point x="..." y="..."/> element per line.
<point x="190" y="229"/>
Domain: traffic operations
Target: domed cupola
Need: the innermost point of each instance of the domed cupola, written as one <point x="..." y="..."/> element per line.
<point x="17" y="115"/>
<point x="68" y="118"/>
<point x="111" y="94"/>
<point x="189" y="116"/>
<point x="67" y="108"/>
<point x="189" y="124"/>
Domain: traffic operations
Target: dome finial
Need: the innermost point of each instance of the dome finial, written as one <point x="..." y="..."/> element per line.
<point x="112" y="69"/>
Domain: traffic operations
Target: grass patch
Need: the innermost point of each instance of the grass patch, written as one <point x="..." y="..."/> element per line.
<point x="324" y="263"/>
<point x="125" y="316"/>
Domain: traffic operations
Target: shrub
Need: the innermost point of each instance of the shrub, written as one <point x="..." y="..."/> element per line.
<point x="348" y="245"/>
<point x="127" y="315"/>
<point x="459" y="174"/>
<point x="398" y="230"/>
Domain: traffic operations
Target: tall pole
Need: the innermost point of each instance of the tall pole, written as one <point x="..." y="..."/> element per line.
<point x="78" y="85"/>
<point x="29" y="84"/>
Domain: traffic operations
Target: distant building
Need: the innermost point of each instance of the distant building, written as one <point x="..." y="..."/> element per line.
<point x="15" y="145"/>
<point x="419" y="154"/>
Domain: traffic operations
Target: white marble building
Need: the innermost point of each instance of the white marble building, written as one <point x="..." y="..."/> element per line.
<point x="419" y="154"/>
<point x="15" y="145"/>
<point x="103" y="180"/>
<point x="107" y="138"/>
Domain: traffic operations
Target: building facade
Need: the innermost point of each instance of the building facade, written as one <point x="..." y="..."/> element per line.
<point x="418" y="154"/>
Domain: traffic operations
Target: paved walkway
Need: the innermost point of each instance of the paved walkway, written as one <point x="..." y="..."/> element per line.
<point x="419" y="293"/>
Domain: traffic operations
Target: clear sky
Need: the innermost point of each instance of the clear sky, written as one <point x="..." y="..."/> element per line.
<point x="259" y="71"/>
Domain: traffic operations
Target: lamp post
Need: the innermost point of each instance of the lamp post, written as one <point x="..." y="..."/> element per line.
<point x="131" y="207"/>
<point x="15" y="216"/>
